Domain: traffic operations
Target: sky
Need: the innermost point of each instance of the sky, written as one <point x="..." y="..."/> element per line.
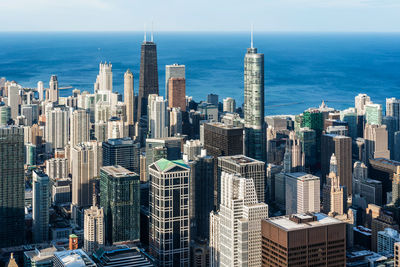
<point x="201" y="15"/>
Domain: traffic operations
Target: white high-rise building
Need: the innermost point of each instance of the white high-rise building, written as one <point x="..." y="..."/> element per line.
<point x="40" y="206"/>
<point x="40" y="89"/>
<point x="53" y="92"/>
<point x="80" y="127"/>
<point x="360" y="101"/>
<point x="117" y="129"/>
<point x="175" y="121"/>
<point x="13" y="98"/>
<point x="229" y="105"/>
<point x="302" y="193"/>
<point x="192" y="149"/>
<point x="86" y="161"/>
<point x="158" y="117"/>
<point x="104" y="81"/>
<point x="57" y="168"/>
<point x="57" y="127"/>
<point x="101" y="131"/>
<point x="129" y="96"/>
<point x="173" y="71"/>
<point x="93" y="227"/>
<point x="235" y="231"/>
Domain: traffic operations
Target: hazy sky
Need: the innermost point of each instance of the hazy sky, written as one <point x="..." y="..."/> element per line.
<point x="188" y="15"/>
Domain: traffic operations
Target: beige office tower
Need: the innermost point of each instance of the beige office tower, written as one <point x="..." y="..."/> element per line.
<point x="235" y="231"/>
<point x="157" y="117"/>
<point x="57" y="168"/>
<point x="360" y="101"/>
<point x="302" y="193"/>
<point x="101" y="131"/>
<point x="86" y="160"/>
<point x="102" y="112"/>
<point x="376" y="141"/>
<point x="117" y="129"/>
<point x="129" y="96"/>
<point x="80" y="127"/>
<point x="104" y="78"/>
<point x="333" y="193"/>
<point x="13" y="98"/>
<point x="173" y="71"/>
<point x="93" y="227"/>
<point x="57" y="127"/>
<point x="229" y="105"/>
<point x="119" y="111"/>
<point x="40" y="89"/>
<point x="175" y="121"/>
<point x="53" y="94"/>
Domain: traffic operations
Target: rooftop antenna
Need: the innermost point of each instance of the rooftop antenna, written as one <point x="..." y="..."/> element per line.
<point x="251" y="44"/>
<point x="145" y="32"/>
<point x="152" y="28"/>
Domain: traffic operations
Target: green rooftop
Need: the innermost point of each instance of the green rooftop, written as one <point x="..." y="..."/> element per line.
<point x="164" y="164"/>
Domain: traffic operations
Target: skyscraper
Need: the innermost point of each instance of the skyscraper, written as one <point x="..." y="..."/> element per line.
<point x="393" y="109"/>
<point x="254" y="104"/>
<point x="175" y="121"/>
<point x="57" y="127"/>
<point x="235" y="231"/>
<point x="373" y="114"/>
<point x="334" y="194"/>
<point x="129" y="96"/>
<point x="229" y="105"/>
<point x="376" y="141"/>
<point x="177" y="93"/>
<point x="53" y="89"/>
<point x="80" y="127"/>
<point x="40" y="89"/>
<point x="124" y="152"/>
<point x="104" y="80"/>
<point x="40" y="206"/>
<point x="173" y="71"/>
<point x="120" y="197"/>
<point x="148" y="77"/>
<point x="94" y="227"/>
<point x="360" y="101"/>
<point x="11" y="186"/>
<point x="169" y="212"/>
<point x="158" y="117"/>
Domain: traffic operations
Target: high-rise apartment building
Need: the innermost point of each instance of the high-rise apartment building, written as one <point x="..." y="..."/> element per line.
<point x="80" y="127"/>
<point x="247" y="168"/>
<point x="57" y="127"/>
<point x="229" y="105"/>
<point x="360" y="101"/>
<point x="376" y="141"/>
<point x="53" y="92"/>
<point x="254" y="104"/>
<point x="40" y="89"/>
<point x="104" y="80"/>
<point x="173" y="71"/>
<point x="124" y="152"/>
<point x="148" y="76"/>
<point x="302" y="193"/>
<point x="235" y="231"/>
<point x="57" y="168"/>
<point x="169" y="212"/>
<point x="386" y="240"/>
<point x="393" y="110"/>
<point x="158" y="118"/>
<point x="12" y="218"/>
<point x="175" y="121"/>
<point x="373" y="114"/>
<point x="177" y="93"/>
<point x="94" y="232"/>
<point x="129" y="97"/>
<point x="313" y="239"/>
<point x="40" y="206"/>
<point x="13" y="98"/>
<point x="120" y="197"/>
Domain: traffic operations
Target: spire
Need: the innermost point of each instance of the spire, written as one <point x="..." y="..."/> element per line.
<point x="145" y="32"/>
<point x="251" y="42"/>
<point x="152" y="29"/>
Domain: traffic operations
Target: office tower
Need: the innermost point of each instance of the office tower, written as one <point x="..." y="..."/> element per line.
<point x="61" y="191"/>
<point x="76" y="257"/>
<point x="13" y="98"/>
<point x="341" y="146"/>
<point x="376" y="141"/>
<point x="73" y="242"/>
<point x="247" y="168"/>
<point x="119" y="111"/>
<point x="223" y="140"/>
<point x="386" y="240"/>
<point x="302" y="193"/>
<point x="11" y="180"/>
<point x="94" y="227"/>
<point x="201" y="195"/>
<point x="57" y="168"/>
<point x="380" y="223"/>
<point x="350" y="116"/>
<point x="235" y="238"/>
<point x="254" y="104"/>
<point x="158" y="117"/>
<point x="373" y="114"/>
<point x="307" y="139"/>
<point x="229" y="105"/>
<point x="101" y="131"/>
<point x="314" y="119"/>
<point x="368" y="189"/>
<point x="40" y="89"/>
<point x="287" y="239"/>
<point x="104" y="80"/>
<point x="30" y="154"/>
<point x="271" y="173"/>
<point x="40" y="206"/>
<point x="5" y="114"/>
<point x="80" y="127"/>
<point x="57" y="127"/>
<point x="334" y="194"/>
<point x="31" y="114"/>
<point x="391" y="126"/>
<point x="148" y="77"/>
<point x="360" y="101"/>
<point x="53" y="91"/>
<point x="393" y="110"/>
<point x="212" y="99"/>
<point x="124" y="152"/>
<point x="192" y="148"/>
<point x="117" y="128"/>
<point x="384" y="170"/>
<point x="199" y="254"/>
<point x="173" y="71"/>
<point x="86" y="161"/>
<point x="120" y="198"/>
<point x="175" y="121"/>
<point x="177" y="93"/>
<point x="209" y="111"/>
<point x="169" y="212"/>
<point x="129" y="96"/>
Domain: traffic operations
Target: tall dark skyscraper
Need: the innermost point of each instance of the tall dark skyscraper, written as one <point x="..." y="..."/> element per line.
<point x="124" y="152"/>
<point x="11" y="186"/>
<point x="254" y="103"/>
<point x="148" y="77"/>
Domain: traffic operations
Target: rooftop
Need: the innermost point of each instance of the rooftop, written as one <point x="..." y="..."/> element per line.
<point x="240" y="159"/>
<point x="164" y="164"/>
<point x="302" y="176"/>
<point x="118" y="171"/>
<point x="74" y="258"/>
<point x="305" y="221"/>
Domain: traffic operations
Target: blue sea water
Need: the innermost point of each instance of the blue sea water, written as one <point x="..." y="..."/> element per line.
<point x="301" y="69"/>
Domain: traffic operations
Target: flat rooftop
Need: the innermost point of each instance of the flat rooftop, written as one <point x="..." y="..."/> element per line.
<point x="118" y="171"/>
<point x="285" y="223"/>
<point x="222" y="125"/>
<point x="74" y="258"/>
<point x="302" y="176"/>
<point x="240" y="159"/>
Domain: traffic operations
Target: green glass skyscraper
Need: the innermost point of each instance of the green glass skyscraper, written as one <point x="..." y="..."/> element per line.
<point x="11" y="186"/>
<point x="120" y="198"/>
